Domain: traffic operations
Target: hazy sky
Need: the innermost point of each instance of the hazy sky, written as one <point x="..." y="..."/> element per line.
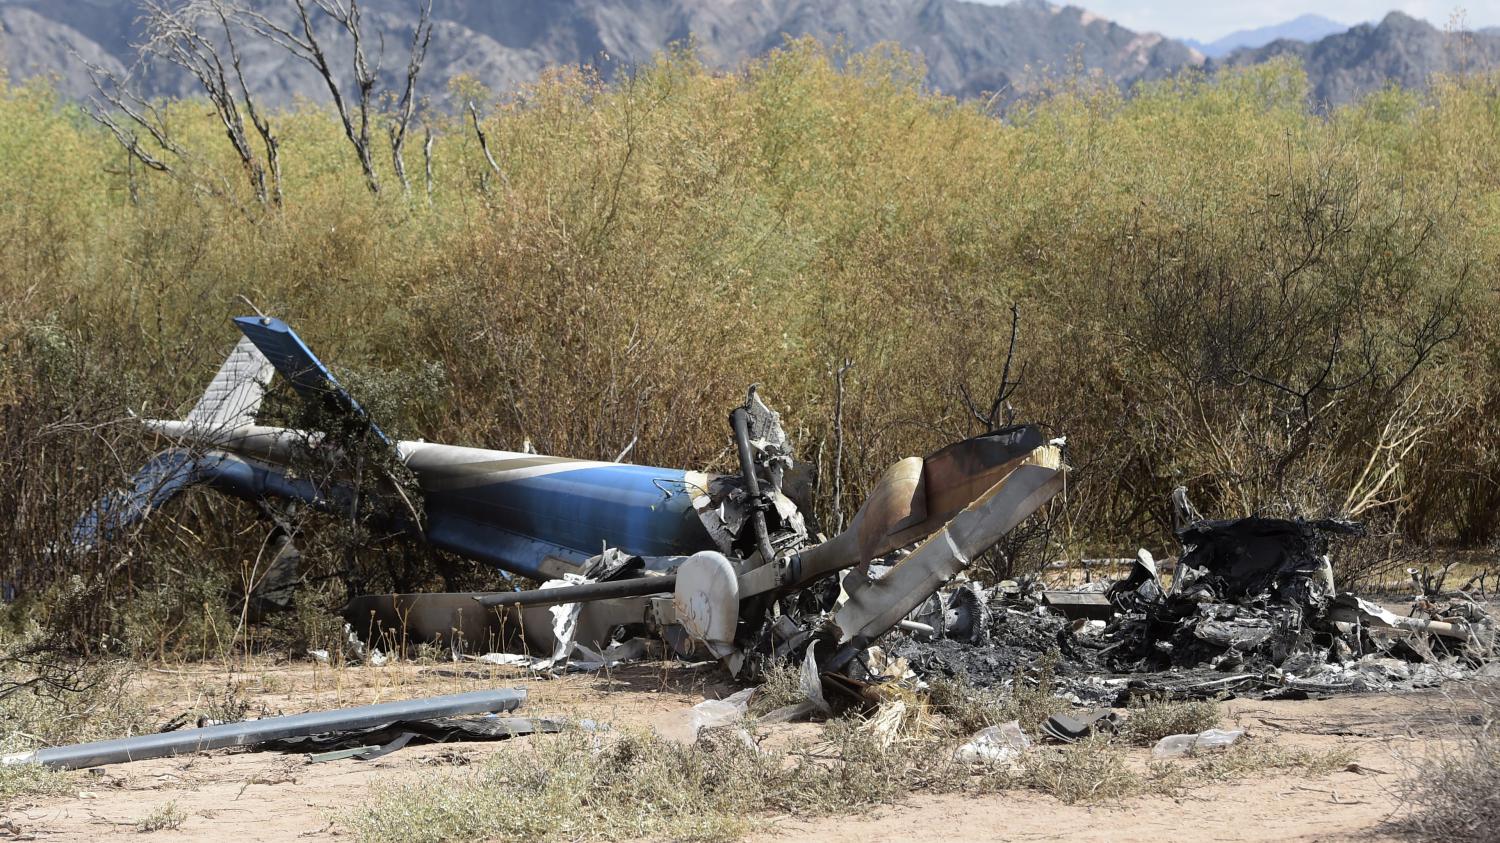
<point x="1210" y="19"/>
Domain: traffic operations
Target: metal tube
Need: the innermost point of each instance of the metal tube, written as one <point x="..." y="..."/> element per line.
<point x="1442" y="628"/>
<point x="633" y="587"/>
<point x="740" y="421"/>
<point x="252" y="732"/>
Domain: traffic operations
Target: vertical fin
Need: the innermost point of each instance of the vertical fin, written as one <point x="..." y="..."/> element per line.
<point x="234" y="395"/>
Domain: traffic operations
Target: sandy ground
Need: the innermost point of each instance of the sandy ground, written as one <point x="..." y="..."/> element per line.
<point x="270" y="796"/>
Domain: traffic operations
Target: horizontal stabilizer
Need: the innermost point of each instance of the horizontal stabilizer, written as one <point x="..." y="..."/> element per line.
<point x="302" y="369"/>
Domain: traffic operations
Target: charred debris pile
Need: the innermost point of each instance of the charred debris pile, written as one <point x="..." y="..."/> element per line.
<point x="1250" y="610"/>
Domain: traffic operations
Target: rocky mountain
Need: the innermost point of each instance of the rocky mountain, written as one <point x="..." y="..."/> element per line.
<point x="1302" y="28"/>
<point x="970" y="49"/>
<point x="1400" y="49"/>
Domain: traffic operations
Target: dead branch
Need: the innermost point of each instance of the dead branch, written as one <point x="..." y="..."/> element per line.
<point x="484" y="142"/>
<point x="119" y="100"/>
<point x="176" y="36"/>
<point x="302" y="40"/>
<point x="421" y="37"/>
<point x="427" y="161"/>
<point x="999" y="409"/>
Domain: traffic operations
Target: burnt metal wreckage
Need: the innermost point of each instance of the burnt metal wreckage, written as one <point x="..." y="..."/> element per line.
<point x="731" y="567"/>
<point x="1251" y="610"/>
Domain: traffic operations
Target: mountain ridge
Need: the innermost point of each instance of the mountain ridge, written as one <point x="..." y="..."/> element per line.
<point x="1399" y="49"/>
<point x="1308" y="27"/>
<point x="969" y="49"/>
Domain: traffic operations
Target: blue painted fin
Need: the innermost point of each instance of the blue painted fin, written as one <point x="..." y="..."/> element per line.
<point x="302" y="369"/>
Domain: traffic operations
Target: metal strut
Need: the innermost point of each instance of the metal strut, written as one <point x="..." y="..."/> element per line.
<point x="740" y="421"/>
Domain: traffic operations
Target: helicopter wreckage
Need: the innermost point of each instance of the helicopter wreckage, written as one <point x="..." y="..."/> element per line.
<point x="719" y="566"/>
<point x="729" y="567"/>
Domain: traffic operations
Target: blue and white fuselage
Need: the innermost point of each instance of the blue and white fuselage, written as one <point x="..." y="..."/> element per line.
<point x="530" y="514"/>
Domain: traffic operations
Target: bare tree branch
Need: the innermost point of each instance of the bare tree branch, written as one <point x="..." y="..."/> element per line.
<point x="176" y="35"/>
<point x="1000" y="411"/>
<point x="484" y="142"/>
<point x="421" y="37"/>
<point x="427" y="161"/>
<point x="119" y="99"/>
<point x="303" y="41"/>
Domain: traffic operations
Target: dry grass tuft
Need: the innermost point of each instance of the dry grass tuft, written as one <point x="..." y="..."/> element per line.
<point x="583" y="785"/>
<point x="1156" y="718"/>
<point x="1092" y="770"/>
<point x="29" y="780"/>
<point x="780" y="685"/>
<point x="1027" y="701"/>
<point x="165" y="818"/>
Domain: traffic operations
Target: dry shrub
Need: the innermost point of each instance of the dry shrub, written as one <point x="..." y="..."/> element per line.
<point x="1248" y="757"/>
<point x="1092" y="770"/>
<point x="1454" y="795"/>
<point x="1154" y="718"/>
<point x="1098" y="769"/>
<point x="631" y="786"/>
<point x="49" y="697"/>
<point x="1282" y="310"/>
<point x="167" y="817"/>
<point x="613" y="787"/>
<point x="780" y="685"/>
<point x="1028" y="700"/>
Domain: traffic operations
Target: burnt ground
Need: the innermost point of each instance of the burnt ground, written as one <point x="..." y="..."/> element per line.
<point x="271" y="796"/>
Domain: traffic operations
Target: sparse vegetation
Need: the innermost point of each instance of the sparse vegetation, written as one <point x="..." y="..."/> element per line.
<point x="1092" y="770"/>
<point x="1028" y="700"/>
<point x="1251" y="757"/>
<point x="1098" y="769"/>
<point x="586" y="785"/>
<point x="30" y="780"/>
<point x="1454" y="794"/>
<point x="1154" y="718"/>
<point x="578" y="785"/>
<point x="780" y="685"/>
<point x="164" y="818"/>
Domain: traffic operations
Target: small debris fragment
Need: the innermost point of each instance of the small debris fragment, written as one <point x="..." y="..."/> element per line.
<point x="1001" y="744"/>
<point x="1173" y="746"/>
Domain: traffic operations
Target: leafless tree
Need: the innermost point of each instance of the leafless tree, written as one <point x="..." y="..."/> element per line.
<point x="177" y="36"/>
<point x="188" y="36"/>
<point x="1000" y="412"/>
<point x="355" y="110"/>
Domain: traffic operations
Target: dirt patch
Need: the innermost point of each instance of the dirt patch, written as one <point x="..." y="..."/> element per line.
<point x="286" y="798"/>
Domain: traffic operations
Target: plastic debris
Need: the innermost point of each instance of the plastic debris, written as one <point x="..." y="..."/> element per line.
<point x="1001" y="744"/>
<point x="1173" y="746"/>
<point x="712" y="713"/>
